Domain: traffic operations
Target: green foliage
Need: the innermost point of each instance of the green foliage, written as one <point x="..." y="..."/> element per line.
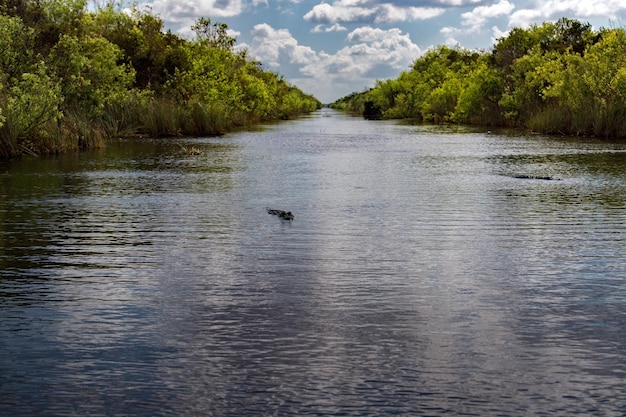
<point x="70" y="77"/>
<point x="29" y="99"/>
<point x="89" y="73"/>
<point x="478" y="102"/>
<point x="16" y="46"/>
<point x="214" y="35"/>
<point x="29" y="102"/>
<point x="154" y="55"/>
<point x="601" y="81"/>
<point x="353" y="103"/>
<point x="558" y="77"/>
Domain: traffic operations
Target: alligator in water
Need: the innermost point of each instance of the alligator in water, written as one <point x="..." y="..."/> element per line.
<point x="534" y="177"/>
<point x="285" y="215"/>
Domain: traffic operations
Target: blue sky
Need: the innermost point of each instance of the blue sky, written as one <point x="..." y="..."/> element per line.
<point x="332" y="48"/>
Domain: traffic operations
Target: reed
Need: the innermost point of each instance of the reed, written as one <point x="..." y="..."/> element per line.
<point x="582" y="122"/>
<point x="120" y="120"/>
<point x="159" y="117"/>
<point x="206" y="119"/>
<point x="78" y="131"/>
<point x="8" y="141"/>
<point x="610" y="120"/>
<point x="552" y="119"/>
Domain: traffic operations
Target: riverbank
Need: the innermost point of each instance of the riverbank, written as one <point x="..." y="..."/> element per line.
<point x="71" y="78"/>
<point x="558" y="78"/>
<point x="155" y="118"/>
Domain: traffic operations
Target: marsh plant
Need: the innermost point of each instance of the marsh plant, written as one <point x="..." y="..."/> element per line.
<point x="72" y="77"/>
<point x="561" y="78"/>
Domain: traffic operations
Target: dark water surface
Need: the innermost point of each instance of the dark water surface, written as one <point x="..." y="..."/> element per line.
<point x="419" y="277"/>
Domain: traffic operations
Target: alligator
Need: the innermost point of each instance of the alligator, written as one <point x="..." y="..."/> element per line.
<point x="285" y="215"/>
<point x="534" y="177"/>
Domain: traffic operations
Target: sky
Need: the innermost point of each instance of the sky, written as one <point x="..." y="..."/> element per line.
<point x="332" y="48"/>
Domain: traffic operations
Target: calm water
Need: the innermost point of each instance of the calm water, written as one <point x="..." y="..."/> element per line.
<point x="419" y="277"/>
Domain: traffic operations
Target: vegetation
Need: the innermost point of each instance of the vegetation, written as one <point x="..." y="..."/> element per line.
<point x="70" y="78"/>
<point x="559" y="77"/>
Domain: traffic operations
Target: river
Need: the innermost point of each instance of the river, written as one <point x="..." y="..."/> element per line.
<point x="419" y="276"/>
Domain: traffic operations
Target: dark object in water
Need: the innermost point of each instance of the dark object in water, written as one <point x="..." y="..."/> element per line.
<point x="532" y="177"/>
<point x="285" y="215"/>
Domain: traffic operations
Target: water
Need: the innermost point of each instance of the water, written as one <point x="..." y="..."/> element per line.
<point x="419" y="277"/>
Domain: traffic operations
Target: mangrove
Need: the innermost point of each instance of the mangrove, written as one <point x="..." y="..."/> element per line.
<point x="71" y="77"/>
<point x="559" y="77"/>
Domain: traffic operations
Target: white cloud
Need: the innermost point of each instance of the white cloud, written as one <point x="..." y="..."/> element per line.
<point x="578" y="9"/>
<point x="479" y="15"/>
<point x="459" y="3"/>
<point x="331" y="14"/>
<point x="370" y="53"/>
<point x="497" y="34"/>
<point x="525" y="17"/>
<point x="450" y="33"/>
<point x="472" y="22"/>
<point x="390" y="13"/>
<point x="326" y="29"/>
<point x="355" y="11"/>
<point x="187" y="11"/>
<point x="232" y="33"/>
<point x="277" y="47"/>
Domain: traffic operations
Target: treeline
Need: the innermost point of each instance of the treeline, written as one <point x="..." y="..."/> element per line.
<point x="71" y="77"/>
<point x="562" y="78"/>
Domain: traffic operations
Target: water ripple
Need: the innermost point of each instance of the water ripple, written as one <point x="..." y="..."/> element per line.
<point x="419" y="277"/>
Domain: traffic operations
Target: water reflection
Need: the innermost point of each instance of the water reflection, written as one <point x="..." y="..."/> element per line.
<point x="419" y="277"/>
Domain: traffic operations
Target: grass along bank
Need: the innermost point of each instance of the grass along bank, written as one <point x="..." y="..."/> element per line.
<point x="71" y="78"/>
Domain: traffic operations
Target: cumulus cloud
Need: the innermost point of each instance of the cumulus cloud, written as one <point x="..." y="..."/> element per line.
<point x="505" y="11"/>
<point x="370" y="53"/>
<point x="326" y="29"/>
<point x="368" y="48"/>
<point x="472" y="22"/>
<point x="363" y="11"/>
<point x="277" y="47"/>
<point x="459" y="3"/>
<point x="186" y="12"/>
<point x="328" y="14"/>
<point x="497" y="34"/>
<point x="391" y="13"/>
<point x="479" y="15"/>
<point x="450" y="34"/>
<point x="580" y="9"/>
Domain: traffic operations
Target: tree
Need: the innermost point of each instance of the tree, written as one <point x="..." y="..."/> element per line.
<point x="214" y="34"/>
<point x="28" y="98"/>
<point x="70" y="76"/>
<point x="567" y="35"/>
<point x="478" y="101"/>
<point x="16" y="48"/>
<point x="604" y="74"/>
<point x="89" y="73"/>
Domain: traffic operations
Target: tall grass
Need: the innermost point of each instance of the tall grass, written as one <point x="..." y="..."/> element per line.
<point x="207" y="119"/>
<point x="71" y="133"/>
<point x="550" y="120"/>
<point x="610" y="120"/>
<point x="8" y="141"/>
<point x="164" y="117"/>
<point x="76" y="129"/>
<point x="600" y="119"/>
